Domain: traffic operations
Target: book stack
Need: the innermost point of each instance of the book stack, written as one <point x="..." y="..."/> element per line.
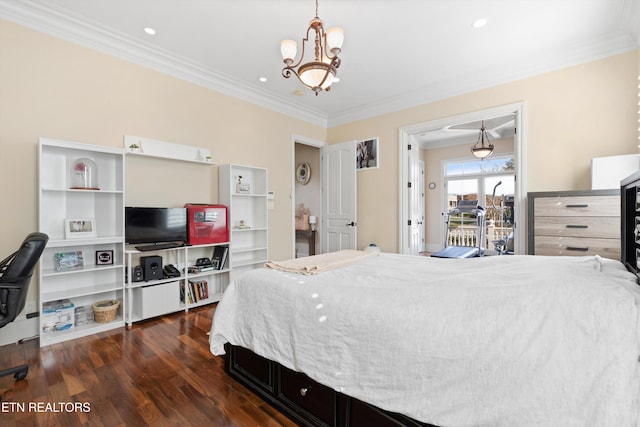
<point x="195" y="269"/>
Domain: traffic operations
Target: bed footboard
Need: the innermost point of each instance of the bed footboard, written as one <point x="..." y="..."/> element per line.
<point x="305" y="401"/>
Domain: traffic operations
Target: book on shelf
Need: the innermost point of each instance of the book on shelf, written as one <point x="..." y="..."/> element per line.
<point x="198" y="290"/>
<point x="220" y="254"/>
<point x="195" y="269"/>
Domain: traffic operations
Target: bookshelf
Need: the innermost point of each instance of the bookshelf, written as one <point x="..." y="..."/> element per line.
<point x="193" y="288"/>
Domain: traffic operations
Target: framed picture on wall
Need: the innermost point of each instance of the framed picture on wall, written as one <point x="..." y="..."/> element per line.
<point x="367" y="154"/>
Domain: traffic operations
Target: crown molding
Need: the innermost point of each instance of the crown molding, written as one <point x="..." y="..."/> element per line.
<point x="65" y="26"/>
<point x="630" y="18"/>
<point x="483" y="79"/>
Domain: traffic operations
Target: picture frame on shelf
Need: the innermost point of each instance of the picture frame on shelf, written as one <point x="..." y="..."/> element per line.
<point x="104" y="257"/>
<point x="79" y="228"/>
<point x="242" y="187"/>
<point x="65" y="261"/>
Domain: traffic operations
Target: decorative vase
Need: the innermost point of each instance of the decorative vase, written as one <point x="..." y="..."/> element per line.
<point x="83" y="174"/>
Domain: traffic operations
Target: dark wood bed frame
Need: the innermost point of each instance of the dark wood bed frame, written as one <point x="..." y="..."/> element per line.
<point x="305" y="401"/>
<point x="309" y="403"/>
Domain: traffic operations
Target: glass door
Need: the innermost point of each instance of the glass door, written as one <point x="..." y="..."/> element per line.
<point x="476" y="180"/>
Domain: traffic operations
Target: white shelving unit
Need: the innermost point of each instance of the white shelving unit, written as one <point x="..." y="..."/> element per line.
<point x="146" y="147"/>
<point x="244" y="190"/>
<point x="168" y="295"/>
<point x="103" y="205"/>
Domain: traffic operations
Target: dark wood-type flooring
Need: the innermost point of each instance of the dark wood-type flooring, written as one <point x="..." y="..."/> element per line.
<point x="158" y="373"/>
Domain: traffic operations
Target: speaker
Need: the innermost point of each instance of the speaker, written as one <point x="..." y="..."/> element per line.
<point x="152" y="267"/>
<point x="138" y="274"/>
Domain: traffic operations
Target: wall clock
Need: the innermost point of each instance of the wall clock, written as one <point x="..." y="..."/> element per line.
<point x="303" y="173"/>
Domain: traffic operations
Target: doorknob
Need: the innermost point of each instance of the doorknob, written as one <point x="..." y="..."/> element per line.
<point x="351" y="224"/>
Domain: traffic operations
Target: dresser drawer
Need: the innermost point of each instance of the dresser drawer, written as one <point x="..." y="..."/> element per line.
<point x="577" y="206"/>
<point x="576" y="246"/>
<point x="585" y="226"/>
<point x="303" y="393"/>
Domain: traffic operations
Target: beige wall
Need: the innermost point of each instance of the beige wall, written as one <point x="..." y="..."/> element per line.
<point x="53" y="88"/>
<point x="571" y="116"/>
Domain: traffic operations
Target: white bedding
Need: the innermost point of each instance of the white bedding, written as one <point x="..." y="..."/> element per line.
<point x="493" y="341"/>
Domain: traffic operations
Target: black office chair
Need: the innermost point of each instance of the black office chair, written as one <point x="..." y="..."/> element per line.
<point x="15" y="274"/>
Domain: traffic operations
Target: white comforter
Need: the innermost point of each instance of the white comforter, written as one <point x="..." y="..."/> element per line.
<point x="493" y="341"/>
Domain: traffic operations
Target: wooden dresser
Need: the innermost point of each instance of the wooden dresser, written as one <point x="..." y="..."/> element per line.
<point x="574" y="223"/>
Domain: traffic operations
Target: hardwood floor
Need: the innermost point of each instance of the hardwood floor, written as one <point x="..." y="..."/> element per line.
<point x="160" y="373"/>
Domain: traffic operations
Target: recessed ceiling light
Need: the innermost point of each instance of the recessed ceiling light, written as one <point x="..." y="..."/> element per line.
<point x="263" y="79"/>
<point x="479" y="23"/>
<point x="149" y="31"/>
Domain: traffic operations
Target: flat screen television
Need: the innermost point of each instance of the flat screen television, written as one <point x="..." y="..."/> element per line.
<point x="155" y="225"/>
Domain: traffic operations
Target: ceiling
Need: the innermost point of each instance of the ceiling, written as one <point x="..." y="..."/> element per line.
<point x="468" y="132"/>
<point x="396" y="54"/>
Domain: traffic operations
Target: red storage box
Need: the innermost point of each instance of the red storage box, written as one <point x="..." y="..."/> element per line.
<point x="207" y="224"/>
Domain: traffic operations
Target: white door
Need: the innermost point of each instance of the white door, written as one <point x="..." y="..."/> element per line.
<point x="421" y="207"/>
<point x="415" y="192"/>
<point x="339" y="196"/>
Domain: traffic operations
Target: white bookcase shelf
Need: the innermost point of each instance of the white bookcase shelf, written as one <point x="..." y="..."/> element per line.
<point x="146" y="147"/>
<point x="89" y="282"/>
<point x="244" y="190"/>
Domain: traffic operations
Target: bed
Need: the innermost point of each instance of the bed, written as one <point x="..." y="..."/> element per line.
<point x="493" y="341"/>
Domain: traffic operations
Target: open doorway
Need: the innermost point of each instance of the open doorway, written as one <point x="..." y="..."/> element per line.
<point x="460" y="132"/>
<point x="306" y="197"/>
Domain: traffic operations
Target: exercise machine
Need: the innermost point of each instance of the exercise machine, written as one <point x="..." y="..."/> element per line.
<point x="469" y="207"/>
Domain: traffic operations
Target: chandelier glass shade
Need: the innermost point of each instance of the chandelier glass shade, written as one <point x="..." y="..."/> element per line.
<point x="483" y="148"/>
<point x="319" y="73"/>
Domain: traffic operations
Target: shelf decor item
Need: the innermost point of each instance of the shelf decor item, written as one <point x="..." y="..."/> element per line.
<point x="83" y="175"/>
<point x="104" y="257"/>
<point x="242" y="187"/>
<point x="135" y="148"/>
<point x="79" y="228"/>
<point x="302" y="217"/>
<point x="105" y="311"/>
<point x="65" y="261"/>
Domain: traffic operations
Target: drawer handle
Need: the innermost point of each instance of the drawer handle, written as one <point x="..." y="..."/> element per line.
<point x="303" y="391"/>
<point x="577" y="248"/>
<point x="577" y="226"/>
<point x="578" y="206"/>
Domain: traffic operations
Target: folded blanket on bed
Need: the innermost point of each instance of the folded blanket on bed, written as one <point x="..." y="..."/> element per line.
<point x="318" y="263"/>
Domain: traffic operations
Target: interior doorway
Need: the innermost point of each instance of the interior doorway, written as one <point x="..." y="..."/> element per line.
<point x="451" y="131"/>
<point x="306" y="196"/>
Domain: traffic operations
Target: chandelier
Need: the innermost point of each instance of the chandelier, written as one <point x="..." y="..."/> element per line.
<point x="319" y="73"/>
<point x="480" y="149"/>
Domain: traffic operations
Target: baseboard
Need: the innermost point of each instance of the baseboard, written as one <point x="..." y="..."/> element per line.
<point x="432" y="247"/>
<point x="19" y="329"/>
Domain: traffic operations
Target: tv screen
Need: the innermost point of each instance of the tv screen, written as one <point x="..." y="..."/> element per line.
<point x="155" y="225"/>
